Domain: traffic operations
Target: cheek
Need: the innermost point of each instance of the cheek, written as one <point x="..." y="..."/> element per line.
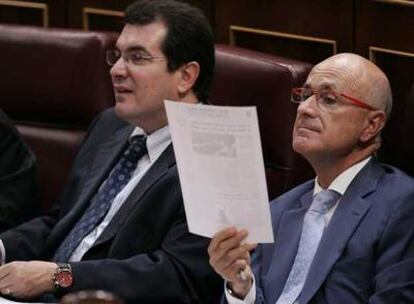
<point x="344" y="132"/>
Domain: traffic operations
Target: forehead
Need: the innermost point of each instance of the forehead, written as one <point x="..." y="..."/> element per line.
<point x="334" y="76"/>
<point x="148" y="37"/>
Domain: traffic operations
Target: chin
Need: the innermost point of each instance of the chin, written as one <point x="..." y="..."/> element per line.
<point x="303" y="146"/>
<point x="300" y="143"/>
<point x="124" y="112"/>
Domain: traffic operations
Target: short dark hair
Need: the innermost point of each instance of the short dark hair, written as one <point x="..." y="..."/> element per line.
<point x="189" y="37"/>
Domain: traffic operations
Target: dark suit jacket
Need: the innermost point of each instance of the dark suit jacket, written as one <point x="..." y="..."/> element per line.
<point x="146" y="254"/>
<point x="19" y="198"/>
<point x="363" y="255"/>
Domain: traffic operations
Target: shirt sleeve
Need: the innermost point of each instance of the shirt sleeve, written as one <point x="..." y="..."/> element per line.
<point x="249" y="299"/>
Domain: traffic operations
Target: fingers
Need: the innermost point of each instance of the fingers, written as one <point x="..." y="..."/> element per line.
<point x="226" y="246"/>
<point x="4" y="279"/>
<point x="220" y="236"/>
<point x="228" y="255"/>
<point x="6" y="291"/>
<point x="235" y="268"/>
<point x="4" y="271"/>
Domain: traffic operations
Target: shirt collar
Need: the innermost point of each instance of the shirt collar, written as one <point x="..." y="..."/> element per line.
<point x="157" y="141"/>
<point x="343" y="180"/>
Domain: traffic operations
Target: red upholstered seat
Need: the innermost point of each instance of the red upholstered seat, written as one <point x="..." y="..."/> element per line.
<point x="244" y="77"/>
<point x="54" y="82"/>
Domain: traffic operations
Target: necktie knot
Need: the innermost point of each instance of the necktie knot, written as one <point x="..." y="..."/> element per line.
<point x="136" y="149"/>
<point x="324" y="201"/>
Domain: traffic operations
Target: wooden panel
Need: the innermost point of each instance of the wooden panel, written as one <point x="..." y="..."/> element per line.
<point x="95" y="14"/>
<point x="384" y="32"/>
<point x="399" y="67"/>
<point x="46" y="13"/>
<point x="205" y="5"/>
<point x="314" y="19"/>
<point x="102" y="19"/>
<point x="108" y="14"/>
<point x="24" y="12"/>
<point x="305" y="48"/>
<point x="386" y="24"/>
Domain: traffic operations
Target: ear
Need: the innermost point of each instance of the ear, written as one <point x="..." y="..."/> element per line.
<point x="187" y="77"/>
<point x="375" y="124"/>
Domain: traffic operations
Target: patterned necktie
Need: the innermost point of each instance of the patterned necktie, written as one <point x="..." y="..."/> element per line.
<point x="102" y="200"/>
<point x="312" y="230"/>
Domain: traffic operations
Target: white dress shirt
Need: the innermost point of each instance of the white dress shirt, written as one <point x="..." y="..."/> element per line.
<point x="156" y="143"/>
<point x="340" y="184"/>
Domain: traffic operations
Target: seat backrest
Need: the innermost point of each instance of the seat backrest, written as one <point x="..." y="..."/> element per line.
<point x="54" y="83"/>
<point x="244" y="78"/>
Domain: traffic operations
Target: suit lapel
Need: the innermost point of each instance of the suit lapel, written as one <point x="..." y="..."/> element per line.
<point x="106" y="156"/>
<point x="287" y="242"/>
<point x="155" y="172"/>
<point x="346" y="219"/>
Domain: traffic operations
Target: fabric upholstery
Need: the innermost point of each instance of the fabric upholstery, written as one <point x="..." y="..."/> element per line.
<point x="54" y="82"/>
<point x="245" y="78"/>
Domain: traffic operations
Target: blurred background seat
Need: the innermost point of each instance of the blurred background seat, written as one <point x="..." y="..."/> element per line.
<point x="250" y="78"/>
<point x="57" y="82"/>
<point x="54" y="83"/>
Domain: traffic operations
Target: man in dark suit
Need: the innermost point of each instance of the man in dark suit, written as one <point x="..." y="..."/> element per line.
<point x="347" y="236"/>
<point x="120" y="228"/>
<point x="19" y="199"/>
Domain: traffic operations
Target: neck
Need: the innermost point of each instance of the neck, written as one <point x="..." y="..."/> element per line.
<point x="155" y="123"/>
<point x="328" y="169"/>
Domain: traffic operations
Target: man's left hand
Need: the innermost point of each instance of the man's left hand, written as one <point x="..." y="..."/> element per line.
<point x="27" y="279"/>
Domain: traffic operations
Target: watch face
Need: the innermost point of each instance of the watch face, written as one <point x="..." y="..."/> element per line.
<point x="64" y="278"/>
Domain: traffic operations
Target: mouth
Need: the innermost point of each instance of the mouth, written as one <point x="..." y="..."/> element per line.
<point x="306" y="127"/>
<point x="122" y="90"/>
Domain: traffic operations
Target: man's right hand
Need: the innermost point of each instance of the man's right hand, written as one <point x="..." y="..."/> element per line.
<point x="229" y="256"/>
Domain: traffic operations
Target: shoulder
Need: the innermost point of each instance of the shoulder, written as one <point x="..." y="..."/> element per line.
<point x="291" y="198"/>
<point x="395" y="177"/>
<point x="108" y="119"/>
<point x="105" y="125"/>
<point x="386" y="180"/>
<point x="389" y="190"/>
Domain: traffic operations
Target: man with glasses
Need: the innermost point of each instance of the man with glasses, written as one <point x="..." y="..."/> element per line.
<point x="348" y="235"/>
<point x="120" y="224"/>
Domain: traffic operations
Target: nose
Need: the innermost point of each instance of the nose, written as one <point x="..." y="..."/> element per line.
<point x="308" y="107"/>
<point x="119" y="70"/>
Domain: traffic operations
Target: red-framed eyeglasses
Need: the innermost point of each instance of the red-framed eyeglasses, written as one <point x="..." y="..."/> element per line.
<point x="326" y="98"/>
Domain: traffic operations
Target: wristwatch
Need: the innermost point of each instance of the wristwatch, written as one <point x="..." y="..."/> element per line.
<point x="63" y="277"/>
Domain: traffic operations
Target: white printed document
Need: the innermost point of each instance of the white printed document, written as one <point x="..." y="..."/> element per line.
<point x="220" y="164"/>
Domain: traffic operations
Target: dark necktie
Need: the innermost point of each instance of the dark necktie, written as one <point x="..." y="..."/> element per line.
<point x="102" y="200"/>
<point x="312" y="230"/>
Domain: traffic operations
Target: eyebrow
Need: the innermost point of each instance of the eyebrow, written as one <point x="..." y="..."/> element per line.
<point x="324" y="85"/>
<point x="135" y="48"/>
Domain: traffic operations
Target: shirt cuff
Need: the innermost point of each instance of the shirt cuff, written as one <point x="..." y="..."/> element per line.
<point x="249" y="299"/>
<point x="2" y="254"/>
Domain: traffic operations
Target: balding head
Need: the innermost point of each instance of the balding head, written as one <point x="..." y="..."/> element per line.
<point x="366" y="80"/>
<point x="345" y="103"/>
